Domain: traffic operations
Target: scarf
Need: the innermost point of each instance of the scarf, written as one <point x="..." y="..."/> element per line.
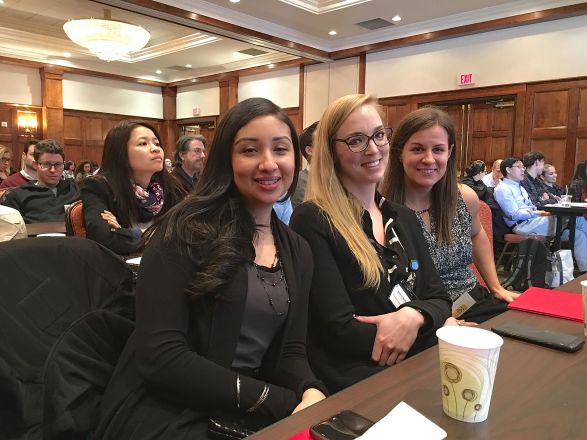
<point x="150" y="200"/>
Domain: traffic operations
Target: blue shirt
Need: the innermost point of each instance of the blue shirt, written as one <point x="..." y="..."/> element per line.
<point x="514" y="202"/>
<point x="283" y="210"/>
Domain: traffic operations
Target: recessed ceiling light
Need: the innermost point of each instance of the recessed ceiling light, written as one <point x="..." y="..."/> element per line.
<point x="271" y="66"/>
<point x="1" y="2"/>
<point x="158" y="71"/>
<point x="65" y="54"/>
<point x="194" y="80"/>
<point x="234" y="1"/>
<point x="396" y="18"/>
<point x="189" y="66"/>
<point x="332" y="32"/>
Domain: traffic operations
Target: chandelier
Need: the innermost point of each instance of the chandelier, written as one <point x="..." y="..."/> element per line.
<point x="109" y="40"/>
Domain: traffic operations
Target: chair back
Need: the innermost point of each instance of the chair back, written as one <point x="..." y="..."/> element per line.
<point x="74" y="220"/>
<point x="486" y="223"/>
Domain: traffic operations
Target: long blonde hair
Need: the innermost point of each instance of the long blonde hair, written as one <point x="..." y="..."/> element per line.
<point x="326" y="190"/>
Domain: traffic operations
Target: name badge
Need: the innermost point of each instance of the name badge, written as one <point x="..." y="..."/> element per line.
<point x="462" y="304"/>
<point x="399" y="296"/>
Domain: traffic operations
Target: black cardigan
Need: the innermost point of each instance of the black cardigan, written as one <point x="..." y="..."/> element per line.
<point x="179" y="359"/>
<point x="339" y="347"/>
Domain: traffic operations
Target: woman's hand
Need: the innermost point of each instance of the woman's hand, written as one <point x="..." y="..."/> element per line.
<point x="396" y="333"/>
<point x="110" y="219"/>
<point x="504" y="295"/>
<point x="310" y="397"/>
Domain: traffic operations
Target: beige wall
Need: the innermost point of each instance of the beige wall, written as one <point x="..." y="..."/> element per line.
<point x="537" y="52"/>
<point x="20" y="85"/>
<point x="282" y="87"/>
<point x="206" y="96"/>
<point x="323" y="83"/>
<point x="94" y="94"/>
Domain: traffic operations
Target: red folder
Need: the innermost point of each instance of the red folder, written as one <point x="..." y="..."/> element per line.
<point x="555" y="303"/>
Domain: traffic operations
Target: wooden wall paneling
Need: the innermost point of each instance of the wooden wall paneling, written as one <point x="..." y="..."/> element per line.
<point x="228" y="93"/>
<point x="169" y="129"/>
<point x="555" y="122"/>
<point x="490" y="132"/>
<point x="520" y="111"/>
<point x="581" y="142"/>
<point x="73" y="142"/>
<point x="295" y="115"/>
<point x="52" y="97"/>
<point x="395" y="110"/>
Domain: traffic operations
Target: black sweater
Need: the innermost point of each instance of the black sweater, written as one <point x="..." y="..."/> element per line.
<point x="339" y="347"/>
<point x="180" y="357"/>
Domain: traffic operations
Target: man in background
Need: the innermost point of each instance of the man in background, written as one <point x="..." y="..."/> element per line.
<point x="536" y="188"/>
<point x="306" y="147"/>
<point x="27" y="172"/>
<point x="44" y="200"/>
<point x="190" y="158"/>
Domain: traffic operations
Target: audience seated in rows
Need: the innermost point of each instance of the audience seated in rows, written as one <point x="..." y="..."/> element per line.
<point x="537" y="192"/>
<point x="422" y="175"/>
<point x="525" y="219"/>
<point x="44" y="200"/>
<point x="130" y="190"/>
<point x="376" y="297"/>
<point x="306" y="147"/>
<point x="190" y="158"/>
<point x="222" y="295"/>
<point x="83" y="170"/>
<point x="28" y="172"/>
<point x="578" y="186"/>
<point x="5" y="162"/>
<point x="493" y="179"/>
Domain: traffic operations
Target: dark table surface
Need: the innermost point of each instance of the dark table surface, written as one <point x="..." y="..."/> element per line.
<point x="539" y="393"/>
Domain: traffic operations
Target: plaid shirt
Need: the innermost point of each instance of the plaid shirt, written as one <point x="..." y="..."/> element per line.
<point x="536" y="188"/>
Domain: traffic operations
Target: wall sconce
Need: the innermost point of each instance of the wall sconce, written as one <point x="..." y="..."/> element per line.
<point x="27" y="123"/>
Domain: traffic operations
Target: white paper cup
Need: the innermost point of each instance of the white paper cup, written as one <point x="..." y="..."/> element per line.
<point x="468" y="361"/>
<point x="584" y="291"/>
<point x="566" y="200"/>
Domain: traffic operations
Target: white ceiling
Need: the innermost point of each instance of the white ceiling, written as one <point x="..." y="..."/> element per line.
<point x="32" y="30"/>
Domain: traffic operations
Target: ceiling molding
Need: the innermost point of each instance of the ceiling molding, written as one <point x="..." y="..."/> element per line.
<point x="323" y="6"/>
<point x="184" y="16"/>
<point x="171" y="46"/>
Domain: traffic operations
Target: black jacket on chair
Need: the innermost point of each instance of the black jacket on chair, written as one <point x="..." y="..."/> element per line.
<point x="50" y="285"/>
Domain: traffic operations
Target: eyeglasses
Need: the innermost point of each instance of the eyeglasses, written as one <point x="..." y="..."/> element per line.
<point x="6" y="159"/>
<point x="198" y="151"/>
<point x="48" y="165"/>
<point x="359" y="142"/>
<point x="522" y="167"/>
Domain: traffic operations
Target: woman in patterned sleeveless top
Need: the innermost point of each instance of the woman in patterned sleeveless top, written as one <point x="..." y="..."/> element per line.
<point x="422" y="175"/>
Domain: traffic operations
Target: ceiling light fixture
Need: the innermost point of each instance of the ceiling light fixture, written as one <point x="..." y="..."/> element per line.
<point x="158" y="71"/>
<point x="189" y="66"/>
<point x="396" y="18"/>
<point x="67" y="54"/>
<point x="271" y="66"/>
<point x="332" y="32"/>
<point x="109" y="40"/>
<point x="234" y="1"/>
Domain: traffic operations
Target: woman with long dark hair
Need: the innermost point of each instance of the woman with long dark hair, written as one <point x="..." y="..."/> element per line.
<point x="376" y="297"/>
<point x="422" y="175"/>
<point x="222" y="295"/>
<point x="130" y="190"/>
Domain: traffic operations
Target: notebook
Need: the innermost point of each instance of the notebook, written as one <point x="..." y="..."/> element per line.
<point x="555" y="303"/>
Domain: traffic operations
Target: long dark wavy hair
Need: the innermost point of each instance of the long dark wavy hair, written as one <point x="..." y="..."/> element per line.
<point x="116" y="170"/>
<point x="212" y="226"/>
<point x="443" y="197"/>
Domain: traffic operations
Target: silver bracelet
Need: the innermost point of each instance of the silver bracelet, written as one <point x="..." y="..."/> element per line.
<point x="260" y="400"/>
<point x="238" y="391"/>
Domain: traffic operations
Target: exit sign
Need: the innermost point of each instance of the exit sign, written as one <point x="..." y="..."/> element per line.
<point x="465" y="79"/>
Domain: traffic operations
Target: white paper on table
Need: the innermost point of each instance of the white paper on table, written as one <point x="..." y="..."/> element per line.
<point x="136" y="260"/>
<point x="404" y="422"/>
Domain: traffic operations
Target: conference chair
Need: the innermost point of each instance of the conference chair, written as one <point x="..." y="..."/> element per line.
<point x="486" y="223"/>
<point x="74" y="220"/>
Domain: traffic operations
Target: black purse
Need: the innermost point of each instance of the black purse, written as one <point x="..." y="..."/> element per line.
<point x="235" y="426"/>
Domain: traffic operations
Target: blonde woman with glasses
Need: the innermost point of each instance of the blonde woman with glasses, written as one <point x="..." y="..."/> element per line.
<point x="376" y="297"/>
